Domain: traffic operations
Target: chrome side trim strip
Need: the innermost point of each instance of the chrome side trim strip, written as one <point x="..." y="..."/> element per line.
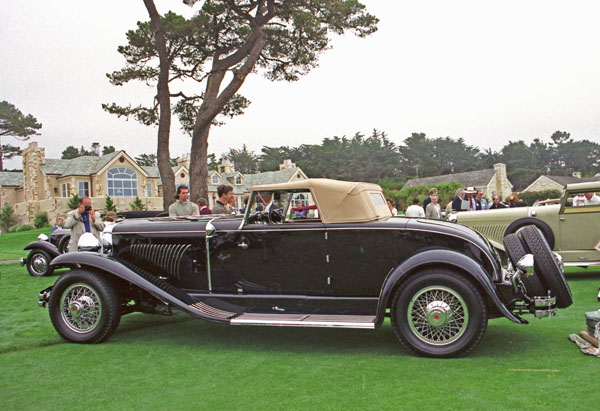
<point x="304" y="320"/>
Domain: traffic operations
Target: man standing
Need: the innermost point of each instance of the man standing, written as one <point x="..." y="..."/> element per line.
<point x="471" y="204"/>
<point x="432" y="191"/>
<point x="222" y="205"/>
<point x="203" y="206"/>
<point x="433" y="209"/>
<point x="415" y="210"/>
<point x="480" y="202"/>
<point x="182" y="206"/>
<point x="83" y="220"/>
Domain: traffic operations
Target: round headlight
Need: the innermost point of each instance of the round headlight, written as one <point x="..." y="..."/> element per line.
<point x="88" y="242"/>
<point x="42" y="237"/>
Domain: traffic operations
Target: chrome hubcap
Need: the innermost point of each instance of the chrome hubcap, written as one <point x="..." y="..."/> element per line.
<point x="437" y="315"/>
<point x="39" y="263"/>
<point x="80" y="308"/>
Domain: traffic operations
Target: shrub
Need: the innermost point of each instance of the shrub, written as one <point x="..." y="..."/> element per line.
<point x="20" y="227"/>
<point x="7" y="217"/>
<point x="109" y="205"/>
<point x="73" y="202"/>
<point x="41" y="219"/>
<point x="137" y="204"/>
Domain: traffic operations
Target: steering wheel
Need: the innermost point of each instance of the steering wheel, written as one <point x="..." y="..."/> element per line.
<point x="275" y="216"/>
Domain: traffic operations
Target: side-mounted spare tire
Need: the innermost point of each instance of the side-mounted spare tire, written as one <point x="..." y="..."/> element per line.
<point x="517" y="225"/>
<point x="515" y="250"/>
<point x="546" y="265"/>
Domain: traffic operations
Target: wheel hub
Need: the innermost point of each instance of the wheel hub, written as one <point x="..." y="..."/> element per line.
<point x="438" y="313"/>
<point x="39" y="263"/>
<point x="81" y="308"/>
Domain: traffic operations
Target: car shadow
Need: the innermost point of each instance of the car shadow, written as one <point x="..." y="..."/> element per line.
<point x="502" y="338"/>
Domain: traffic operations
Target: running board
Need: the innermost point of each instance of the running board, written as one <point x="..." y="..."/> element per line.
<point x="306" y="320"/>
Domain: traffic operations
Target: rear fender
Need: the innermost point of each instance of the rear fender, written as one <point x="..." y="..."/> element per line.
<point x="113" y="267"/>
<point x="43" y="245"/>
<point x="448" y="258"/>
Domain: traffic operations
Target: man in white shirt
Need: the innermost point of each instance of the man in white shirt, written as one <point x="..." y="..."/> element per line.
<point x="415" y="210"/>
<point x="591" y="199"/>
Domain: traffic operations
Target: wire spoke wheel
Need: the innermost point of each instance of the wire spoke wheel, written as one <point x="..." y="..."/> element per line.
<point x="80" y="307"/>
<point x="438" y="312"/>
<point x="437" y="315"/>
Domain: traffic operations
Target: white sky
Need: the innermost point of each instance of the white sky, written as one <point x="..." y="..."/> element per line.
<point x="489" y="72"/>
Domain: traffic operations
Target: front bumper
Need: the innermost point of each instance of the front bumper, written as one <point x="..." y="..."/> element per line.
<point x="22" y="261"/>
<point x="44" y="297"/>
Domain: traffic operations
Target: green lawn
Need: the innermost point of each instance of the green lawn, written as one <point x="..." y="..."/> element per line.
<point x="11" y="244"/>
<point x="183" y="363"/>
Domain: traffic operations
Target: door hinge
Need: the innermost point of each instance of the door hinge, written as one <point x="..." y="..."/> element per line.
<point x="327" y="258"/>
<point x="326" y="235"/>
<point x="328" y="280"/>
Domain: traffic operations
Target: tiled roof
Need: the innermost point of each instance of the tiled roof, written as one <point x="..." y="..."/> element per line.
<point x="11" y="178"/>
<point x="564" y="180"/>
<point x="80" y="166"/>
<point x="476" y="178"/>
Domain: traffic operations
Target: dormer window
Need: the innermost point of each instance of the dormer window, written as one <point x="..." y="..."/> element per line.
<point x="238" y="180"/>
<point x="215" y="179"/>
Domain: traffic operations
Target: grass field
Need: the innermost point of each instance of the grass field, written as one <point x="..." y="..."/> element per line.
<point x="179" y="362"/>
<point x="11" y="245"/>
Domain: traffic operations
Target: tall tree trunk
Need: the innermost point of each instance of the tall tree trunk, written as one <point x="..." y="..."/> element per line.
<point x="214" y="102"/>
<point x="163" y="155"/>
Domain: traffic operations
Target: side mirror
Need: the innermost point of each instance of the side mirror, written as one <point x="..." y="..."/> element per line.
<point x="526" y="262"/>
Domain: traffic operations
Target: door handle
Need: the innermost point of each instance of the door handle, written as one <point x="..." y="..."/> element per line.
<point x="562" y="219"/>
<point x="243" y="245"/>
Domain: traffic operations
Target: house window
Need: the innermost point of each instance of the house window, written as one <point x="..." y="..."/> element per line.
<point x="215" y="179"/>
<point x="122" y="182"/>
<point x="238" y="180"/>
<point x="83" y="189"/>
<point x="65" y="190"/>
<point x="148" y="189"/>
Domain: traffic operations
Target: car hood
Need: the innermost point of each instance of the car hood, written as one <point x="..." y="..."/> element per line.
<point x="173" y="224"/>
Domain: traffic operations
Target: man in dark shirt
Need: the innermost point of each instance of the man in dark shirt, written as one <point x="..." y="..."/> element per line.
<point x="222" y="205"/>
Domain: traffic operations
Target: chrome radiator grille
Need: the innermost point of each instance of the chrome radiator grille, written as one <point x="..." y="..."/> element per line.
<point x="166" y="256"/>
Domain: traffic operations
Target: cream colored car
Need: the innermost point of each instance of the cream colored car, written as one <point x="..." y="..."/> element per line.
<point x="571" y="227"/>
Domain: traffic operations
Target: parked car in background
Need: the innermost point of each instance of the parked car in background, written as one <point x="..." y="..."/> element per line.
<point x="45" y="249"/>
<point x="571" y="229"/>
<point x="310" y="253"/>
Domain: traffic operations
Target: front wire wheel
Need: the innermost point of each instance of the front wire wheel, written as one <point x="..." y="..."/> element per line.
<point x="439" y="313"/>
<point x="84" y="307"/>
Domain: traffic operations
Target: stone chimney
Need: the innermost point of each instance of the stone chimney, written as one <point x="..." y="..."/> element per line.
<point x="33" y="184"/>
<point x="226" y="166"/>
<point x="577" y="174"/>
<point x="502" y="188"/>
<point x="287" y="164"/>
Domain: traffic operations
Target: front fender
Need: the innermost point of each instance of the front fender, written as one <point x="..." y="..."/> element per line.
<point x="109" y="265"/>
<point x="44" y="245"/>
<point x="448" y="258"/>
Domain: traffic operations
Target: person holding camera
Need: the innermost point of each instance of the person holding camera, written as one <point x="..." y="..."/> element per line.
<point x="84" y="219"/>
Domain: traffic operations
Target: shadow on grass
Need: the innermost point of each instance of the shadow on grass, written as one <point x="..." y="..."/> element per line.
<point x="502" y="337"/>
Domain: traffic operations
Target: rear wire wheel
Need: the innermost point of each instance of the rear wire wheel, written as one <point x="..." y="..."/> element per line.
<point x="439" y="313"/>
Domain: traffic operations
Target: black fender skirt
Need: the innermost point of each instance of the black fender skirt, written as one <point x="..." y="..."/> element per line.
<point x="144" y="280"/>
<point x="447" y="258"/>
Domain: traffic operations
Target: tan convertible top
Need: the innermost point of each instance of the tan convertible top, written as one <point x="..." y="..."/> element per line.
<point x="340" y="201"/>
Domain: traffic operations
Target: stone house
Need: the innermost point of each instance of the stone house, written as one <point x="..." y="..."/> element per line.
<point x="550" y="182"/>
<point x="48" y="184"/>
<point x="493" y="181"/>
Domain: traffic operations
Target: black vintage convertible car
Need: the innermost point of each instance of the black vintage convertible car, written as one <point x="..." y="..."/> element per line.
<point x="311" y="253"/>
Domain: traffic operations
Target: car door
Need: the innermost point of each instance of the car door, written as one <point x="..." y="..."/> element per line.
<point x="579" y="231"/>
<point x="284" y="257"/>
